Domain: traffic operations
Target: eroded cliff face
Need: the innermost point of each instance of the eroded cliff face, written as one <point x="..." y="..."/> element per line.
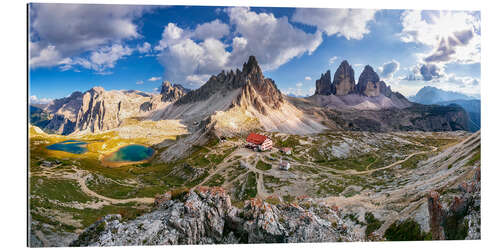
<point x="206" y="216"/>
<point x="97" y="110"/>
<point x="172" y="93"/>
<point x="258" y="91"/>
<point x="459" y="219"/>
<point x="343" y="80"/>
<point x="324" y="84"/>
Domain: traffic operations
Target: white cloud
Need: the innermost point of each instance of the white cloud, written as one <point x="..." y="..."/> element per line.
<point x="144" y="48"/>
<point x="452" y="36"/>
<point x="332" y="60"/>
<point x="215" y="29"/>
<point x="139" y="82"/>
<point x="282" y="40"/>
<point x="101" y="59"/>
<point x="410" y="84"/>
<point x="299" y="91"/>
<point x="307" y="78"/>
<point x="171" y="34"/>
<point x="106" y="57"/>
<point x="187" y="62"/>
<point x="154" y="78"/>
<point x="35" y="100"/>
<point x="388" y="69"/>
<point x="59" y="32"/>
<point x="45" y="57"/>
<point x="299" y="84"/>
<point x="431" y="71"/>
<point x="350" y="23"/>
<point x="191" y="56"/>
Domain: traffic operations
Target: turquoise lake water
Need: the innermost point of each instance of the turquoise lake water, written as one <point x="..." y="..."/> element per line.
<point x="70" y="146"/>
<point x="132" y="152"/>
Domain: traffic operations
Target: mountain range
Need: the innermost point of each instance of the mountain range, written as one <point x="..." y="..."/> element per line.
<point x="235" y="102"/>
<point x="433" y="95"/>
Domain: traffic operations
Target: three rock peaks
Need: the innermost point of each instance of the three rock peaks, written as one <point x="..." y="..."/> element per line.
<point x="343" y="83"/>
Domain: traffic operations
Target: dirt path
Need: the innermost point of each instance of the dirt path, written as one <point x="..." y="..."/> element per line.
<point x="81" y="176"/>
<point x="261" y="190"/>
<point x="390" y="165"/>
<point x="86" y="190"/>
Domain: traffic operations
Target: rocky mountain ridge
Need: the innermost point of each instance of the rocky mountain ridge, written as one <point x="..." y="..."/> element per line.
<point x="343" y="83"/>
<point x="433" y="95"/>
<point x="99" y="110"/>
<point x="206" y="216"/>
<point x="242" y="100"/>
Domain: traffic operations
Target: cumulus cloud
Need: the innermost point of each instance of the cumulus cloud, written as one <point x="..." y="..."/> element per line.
<point x="35" y="100"/>
<point x="101" y="59"/>
<point x="191" y="56"/>
<point x="434" y="75"/>
<point x="45" y="57"/>
<point x="59" y="32"/>
<point x="144" y="48"/>
<point x="388" y="69"/>
<point x="282" y="40"/>
<point x="154" y="78"/>
<point x="431" y="71"/>
<point x="215" y="29"/>
<point x="190" y="63"/>
<point x="452" y="36"/>
<point x="307" y="78"/>
<point x="299" y="92"/>
<point x="350" y="23"/>
<point x="139" y="82"/>
<point x="171" y="34"/>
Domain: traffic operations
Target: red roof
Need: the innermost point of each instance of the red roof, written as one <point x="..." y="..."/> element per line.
<point x="256" y="138"/>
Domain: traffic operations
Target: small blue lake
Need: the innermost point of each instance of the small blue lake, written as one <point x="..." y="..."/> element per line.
<point x="70" y="146"/>
<point x="132" y="153"/>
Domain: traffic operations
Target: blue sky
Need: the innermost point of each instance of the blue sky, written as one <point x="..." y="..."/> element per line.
<point x="75" y="47"/>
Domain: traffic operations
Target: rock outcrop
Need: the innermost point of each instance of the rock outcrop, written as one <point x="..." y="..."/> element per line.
<point x="324" y="84"/>
<point x="96" y="110"/>
<point x="172" y="93"/>
<point x="367" y="82"/>
<point x="258" y="91"/>
<point x="206" y="216"/>
<point x="343" y="84"/>
<point x="461" y="218"/>
<point x="343" y="80"/>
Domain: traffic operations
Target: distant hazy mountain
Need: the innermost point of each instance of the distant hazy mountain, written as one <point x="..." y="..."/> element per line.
<point x="473" y="108"/>
<point x="433" y="95"/>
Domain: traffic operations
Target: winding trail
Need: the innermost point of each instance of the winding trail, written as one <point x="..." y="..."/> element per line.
<point x="86" y="190"/>
<point x="354" y="172"/>
<point x="81" y="176"/>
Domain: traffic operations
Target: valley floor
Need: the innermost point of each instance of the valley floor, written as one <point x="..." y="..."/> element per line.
<point x="384" y="177"/>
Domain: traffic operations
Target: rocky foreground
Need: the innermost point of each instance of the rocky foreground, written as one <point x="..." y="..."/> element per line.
<point x="206" y="216"/>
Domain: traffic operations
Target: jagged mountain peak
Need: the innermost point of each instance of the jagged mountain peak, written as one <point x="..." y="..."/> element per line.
<point x="368" y="73"/>
<point x="250" y="76"/>
<point x="258" y="91"/>
<point x="251" y="66"/>
<point x="344" y="64"/>
<point x="343" y="80"/>
<point x="97" y="89"/>
<point x="171" y="93"/>
<point x="324" y="84"/>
